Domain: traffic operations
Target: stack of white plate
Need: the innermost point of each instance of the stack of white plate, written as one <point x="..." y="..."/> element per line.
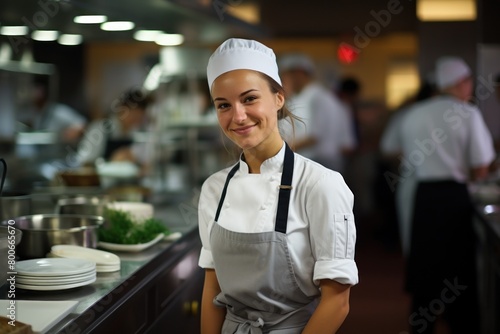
<point x="54" y="274"/>
<point x="105" y="261"/>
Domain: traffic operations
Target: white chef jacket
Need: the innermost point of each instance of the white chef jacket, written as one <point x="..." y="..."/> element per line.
<point x="57" y="117"/>
<point x="94" y="141"/>
<point x="444" y="138"/>
<point x="405" y="185"/>
<point x="321" y="232"/>
<point x="326" y="119"/>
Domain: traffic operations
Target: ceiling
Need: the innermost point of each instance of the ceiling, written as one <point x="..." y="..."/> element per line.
<point x="336" y="17"/>
<point x="198" y="23"/>
<point x="208" y="20"/>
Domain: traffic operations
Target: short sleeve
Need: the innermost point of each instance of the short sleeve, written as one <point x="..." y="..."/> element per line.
<point x="207" y="205"/>
<point x="67" y="116"/>
<point x="332" y="230"/>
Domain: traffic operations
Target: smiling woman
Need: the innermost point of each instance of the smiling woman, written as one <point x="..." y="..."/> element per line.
<point x="273" y="260"/>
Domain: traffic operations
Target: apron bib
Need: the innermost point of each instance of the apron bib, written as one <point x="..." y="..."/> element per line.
<point x="258" y="284"/>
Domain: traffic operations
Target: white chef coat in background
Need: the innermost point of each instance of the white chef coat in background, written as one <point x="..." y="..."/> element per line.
<point x="327" y="120"/>
<point x="404" y="182"/>
<point x="455" y="140"/>
<point x="321" y="232"/>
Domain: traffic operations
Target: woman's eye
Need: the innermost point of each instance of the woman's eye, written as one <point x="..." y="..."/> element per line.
<point x="250" y="98"/>
<point x="222" y="106"/>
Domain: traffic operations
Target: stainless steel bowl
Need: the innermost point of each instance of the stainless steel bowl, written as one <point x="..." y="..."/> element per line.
<point x="83" y="205"/>
<point x="14" y="204"/>
<point x="9" y="239"/>
<point x="41" y="232"/>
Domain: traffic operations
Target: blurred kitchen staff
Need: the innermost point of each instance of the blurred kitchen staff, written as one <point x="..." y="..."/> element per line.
<point x="112" y="138"/>
<point x="277" y="229"/>
<point x="447" y="144"/>
<point x="56" y="117"/>
<point x="390" y="147"/>
<point x="326" y="131"/>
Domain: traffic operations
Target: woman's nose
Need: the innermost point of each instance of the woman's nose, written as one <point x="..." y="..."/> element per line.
<point x="239" y="113"/>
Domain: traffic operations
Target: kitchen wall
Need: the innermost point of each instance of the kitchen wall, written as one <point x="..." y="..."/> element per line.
<point x="113" y="67"/>
<point x="371" y="66"/>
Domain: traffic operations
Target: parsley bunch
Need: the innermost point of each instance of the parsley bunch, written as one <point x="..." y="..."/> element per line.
<point x="121" y="228"/>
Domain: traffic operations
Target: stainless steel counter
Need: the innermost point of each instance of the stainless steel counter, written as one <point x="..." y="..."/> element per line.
<point x="164" y="264"/>
<point x="487" y="227"/>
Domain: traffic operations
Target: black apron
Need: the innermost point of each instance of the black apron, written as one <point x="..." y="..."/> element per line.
<point x="114" y="144"/>
<point x="441" y="267"/>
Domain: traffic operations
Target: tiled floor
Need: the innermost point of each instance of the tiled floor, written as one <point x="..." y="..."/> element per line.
<point x="378" y="303"/>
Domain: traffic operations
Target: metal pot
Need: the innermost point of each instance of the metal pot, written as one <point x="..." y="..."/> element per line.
<point x="15" y="204"/>
<point x="9" y="238"/>
<point x="41" y="232"/>
<point x="83" y="205"/>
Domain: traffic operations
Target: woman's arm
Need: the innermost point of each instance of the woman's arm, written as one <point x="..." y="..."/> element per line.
<point x="332" y="309"/>
<point x="212" y="317"/>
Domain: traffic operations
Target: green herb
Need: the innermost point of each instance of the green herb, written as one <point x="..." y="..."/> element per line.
<point x="121" y="228"/>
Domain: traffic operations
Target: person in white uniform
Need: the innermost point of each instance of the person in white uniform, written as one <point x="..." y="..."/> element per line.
<point x="326" y="131"/>
<point x="446" y="144"/>
<point x="403" y="182"/>
<point x="48" y="115"/>
<point x="277" y="229"/>
<point x="111" y="138"/>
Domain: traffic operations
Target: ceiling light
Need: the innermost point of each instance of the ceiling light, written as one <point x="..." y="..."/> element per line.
<point x="45" y="35"/>
<point x="117" y="26"/>
<point x="70" y="39"/>
<point x="14" y="30"/>
<point x="246" y="12"/>
<point x="147" y="35"/>
<point x="169" y="39"/>
<point x="90" y="19"/>
<point x="446" y="10"/>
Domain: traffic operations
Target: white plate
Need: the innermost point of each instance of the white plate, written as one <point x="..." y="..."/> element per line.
<point x="62" y="281"/>
<point x="107" y="269"/>
<point x="130" y="248"/>
<point x="54" y="267"/>
<point x="51" y="278"/>
<point x="42" y="315"/>
<point x="78" y="252"/>
<point x="54" y="287"/>
<point x="100" y="268"/>
<point x="173" y="236"/>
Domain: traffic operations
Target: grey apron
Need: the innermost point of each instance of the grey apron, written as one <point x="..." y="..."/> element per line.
<point x="258" y="284"/>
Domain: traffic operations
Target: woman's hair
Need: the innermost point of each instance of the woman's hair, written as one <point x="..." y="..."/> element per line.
<point x="135" y="98"/>
<point x="284" y="113"/>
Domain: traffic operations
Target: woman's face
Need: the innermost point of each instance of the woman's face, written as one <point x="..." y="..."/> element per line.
<point x="247" y="109"/>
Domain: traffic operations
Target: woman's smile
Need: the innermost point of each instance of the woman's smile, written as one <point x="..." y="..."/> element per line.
<point x="244" y="130"/>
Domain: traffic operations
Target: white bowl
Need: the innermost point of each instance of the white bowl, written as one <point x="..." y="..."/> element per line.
<point x="139" y="211"/>
<point x="113" y="173"/>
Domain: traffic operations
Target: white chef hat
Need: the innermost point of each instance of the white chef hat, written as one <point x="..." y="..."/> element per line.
<point x="242" y="54"/>
<point x="450" y="70"/>
<point x="296" y="61"/>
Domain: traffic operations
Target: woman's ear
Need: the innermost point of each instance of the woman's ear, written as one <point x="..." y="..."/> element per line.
<point x="280" y="100"/>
